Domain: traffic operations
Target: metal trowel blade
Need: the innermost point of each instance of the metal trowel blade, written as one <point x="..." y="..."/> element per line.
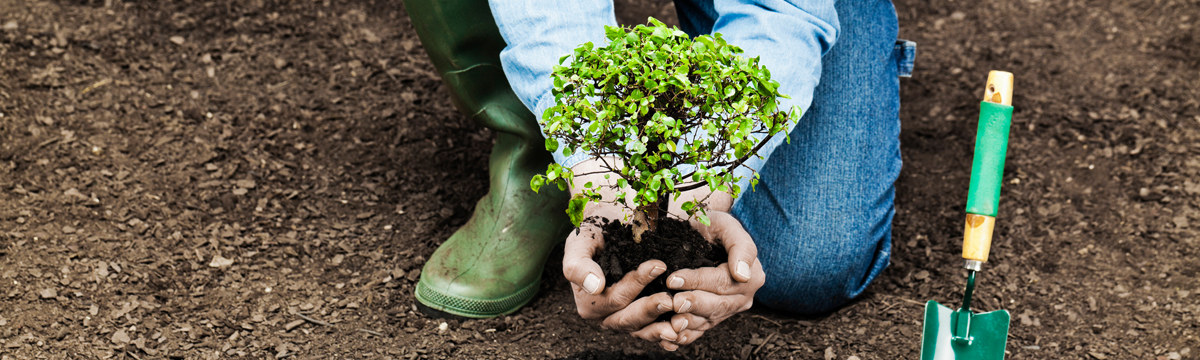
<point x="988" y="333"/>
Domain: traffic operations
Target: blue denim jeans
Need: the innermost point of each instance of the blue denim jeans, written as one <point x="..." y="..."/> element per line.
<point x="821" y="213"/>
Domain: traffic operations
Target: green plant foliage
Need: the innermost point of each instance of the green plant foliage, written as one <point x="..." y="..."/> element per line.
<point x="655" y="99"/>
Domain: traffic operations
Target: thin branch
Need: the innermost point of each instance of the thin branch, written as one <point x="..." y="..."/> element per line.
<point x="311" y="320"/>
<point x="693" y="186"/>
<point x="594" y="173"/>
<point x="739" y="162"/>
<point x="372" y="332"/>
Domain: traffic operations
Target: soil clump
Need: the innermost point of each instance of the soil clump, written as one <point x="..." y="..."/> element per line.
<point x="675" y="243"/>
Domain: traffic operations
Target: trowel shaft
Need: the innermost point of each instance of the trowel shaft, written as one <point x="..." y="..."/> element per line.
<point x="966" y="304"/>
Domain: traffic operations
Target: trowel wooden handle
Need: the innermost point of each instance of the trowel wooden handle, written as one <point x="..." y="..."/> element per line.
<point x="987" y="168"/>
<point x="977" y="237"/>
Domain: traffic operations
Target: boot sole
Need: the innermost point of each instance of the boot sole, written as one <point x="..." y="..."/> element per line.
<point x="448" y="306"/>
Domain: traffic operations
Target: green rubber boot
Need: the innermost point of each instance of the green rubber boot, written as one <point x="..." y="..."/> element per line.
<point x="493" y="264"/>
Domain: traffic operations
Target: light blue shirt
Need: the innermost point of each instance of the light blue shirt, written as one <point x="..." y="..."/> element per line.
<point x="790" y="37"/>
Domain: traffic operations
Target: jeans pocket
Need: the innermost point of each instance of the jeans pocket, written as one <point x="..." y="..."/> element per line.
<point x="905" y="53"/>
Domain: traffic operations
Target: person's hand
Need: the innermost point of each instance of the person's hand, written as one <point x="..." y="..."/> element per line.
<point x="712" y="294"/>
<point x="617" y="305"/>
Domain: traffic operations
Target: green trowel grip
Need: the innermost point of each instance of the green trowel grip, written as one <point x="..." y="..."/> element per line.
<point x="987" y="169"/>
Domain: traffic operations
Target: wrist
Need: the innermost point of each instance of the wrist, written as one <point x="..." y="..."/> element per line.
<point x="713" y="201"/>
<point x="604" y="182"/>
<point x="596" y="171"/>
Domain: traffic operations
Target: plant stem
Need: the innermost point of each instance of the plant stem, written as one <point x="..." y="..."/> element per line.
<point x="647" y="219"/>
<point x="642" y="223"/>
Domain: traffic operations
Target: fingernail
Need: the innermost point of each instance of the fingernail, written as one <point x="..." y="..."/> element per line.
<point x="664" y="307"/>
<point x="675" y="282"/>
<point x="683" y="339"/>
<point x="591" y="284"/>
<point x="685" y="324"/>
<point x="687" y="305"/>
<point x="657" y="270"/>
<point x="665" y="337"/>
<point x="743" y="269"/>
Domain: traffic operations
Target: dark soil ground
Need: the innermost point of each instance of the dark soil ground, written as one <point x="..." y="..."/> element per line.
<point x="199" y="179"/>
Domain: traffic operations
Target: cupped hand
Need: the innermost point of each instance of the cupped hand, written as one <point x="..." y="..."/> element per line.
<point x="617" y="306"/>
<point x="712" y="294"/>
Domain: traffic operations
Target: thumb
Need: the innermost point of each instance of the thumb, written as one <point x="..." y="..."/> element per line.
<point x="634" y="281"/>
<point x="578" y="266"/>
<point x="737" y="242"/>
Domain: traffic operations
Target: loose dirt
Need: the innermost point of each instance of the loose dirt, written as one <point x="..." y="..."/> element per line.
<point x="264" y="179"/>
<point x="675" y="243"/>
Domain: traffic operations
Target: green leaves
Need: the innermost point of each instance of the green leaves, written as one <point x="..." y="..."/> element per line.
<point x="575" y="208"/>
<point x="537" y="182"/>
<point x="612" y="33"/>
<point x="555" y="174"/>
<point x="655" y="100"/>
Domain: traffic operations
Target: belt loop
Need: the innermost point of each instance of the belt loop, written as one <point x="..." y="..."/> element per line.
<point x="906" y="53"/>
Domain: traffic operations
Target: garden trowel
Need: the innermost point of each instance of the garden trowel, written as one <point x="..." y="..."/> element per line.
<point x="961" y="334"/>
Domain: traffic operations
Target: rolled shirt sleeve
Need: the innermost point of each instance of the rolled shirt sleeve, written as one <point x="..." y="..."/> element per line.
<point x="538" y="33"/>
<point x="790" y="37"/>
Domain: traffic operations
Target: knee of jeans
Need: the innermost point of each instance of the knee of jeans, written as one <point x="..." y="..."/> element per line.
<point x="819" y="273"/>
<point x="809" y="292"/>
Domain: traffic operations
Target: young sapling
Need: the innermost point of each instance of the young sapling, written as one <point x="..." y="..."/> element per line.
<point x="662" y="112"/>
